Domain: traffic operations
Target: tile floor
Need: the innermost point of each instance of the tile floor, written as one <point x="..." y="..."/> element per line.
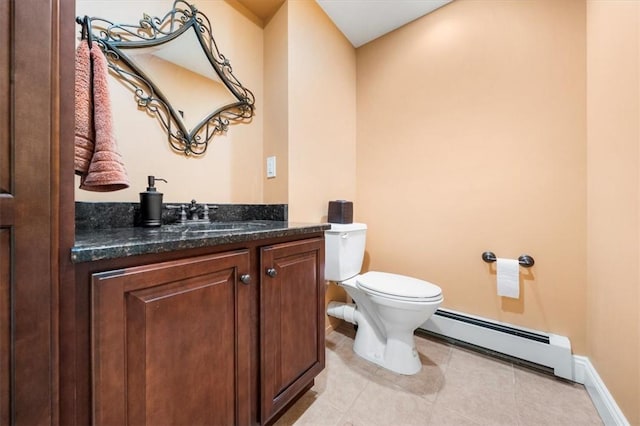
<point x="456" y="386"/>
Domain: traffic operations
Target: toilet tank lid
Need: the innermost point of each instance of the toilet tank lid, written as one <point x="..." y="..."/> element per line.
<point x="398" y="285"/>
<point x="346" y="227"/>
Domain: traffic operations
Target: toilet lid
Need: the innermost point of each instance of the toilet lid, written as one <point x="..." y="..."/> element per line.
<point x="398" y="286"/>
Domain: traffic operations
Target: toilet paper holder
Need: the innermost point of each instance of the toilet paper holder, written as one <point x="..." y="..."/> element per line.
<point x="524" y="260"/>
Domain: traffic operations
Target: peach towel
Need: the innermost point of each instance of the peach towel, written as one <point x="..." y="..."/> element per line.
<point x="97" y="159"/>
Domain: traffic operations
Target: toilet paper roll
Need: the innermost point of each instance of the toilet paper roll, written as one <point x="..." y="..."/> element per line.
<point x="508" y="277"/>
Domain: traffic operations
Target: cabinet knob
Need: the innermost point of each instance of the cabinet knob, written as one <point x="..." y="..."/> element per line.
<point x="272" y="272"/>
<point x="245" y="278"/>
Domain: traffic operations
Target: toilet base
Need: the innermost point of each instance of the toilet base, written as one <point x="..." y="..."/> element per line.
<point x="398" y="353"/>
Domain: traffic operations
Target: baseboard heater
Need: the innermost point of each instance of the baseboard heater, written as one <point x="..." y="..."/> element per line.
<point x="548" y="350"/>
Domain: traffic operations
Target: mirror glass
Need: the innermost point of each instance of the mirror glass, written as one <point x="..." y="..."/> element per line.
<point x="177" y="74"/>
<point x="181" y="70"/>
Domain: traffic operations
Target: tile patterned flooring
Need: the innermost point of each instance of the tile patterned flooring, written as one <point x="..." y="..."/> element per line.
<point x="456" y="387"/>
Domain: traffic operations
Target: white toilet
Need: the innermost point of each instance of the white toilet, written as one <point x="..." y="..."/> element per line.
<point x="388" y="307"/>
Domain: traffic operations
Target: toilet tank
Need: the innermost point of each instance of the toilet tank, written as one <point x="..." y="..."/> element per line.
<point x="344" y="250"/>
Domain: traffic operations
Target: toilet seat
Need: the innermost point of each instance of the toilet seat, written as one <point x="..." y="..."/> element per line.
<point x="398" y="287"/>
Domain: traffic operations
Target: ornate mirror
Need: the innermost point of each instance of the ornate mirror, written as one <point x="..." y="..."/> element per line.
<point x="158" y="56"/>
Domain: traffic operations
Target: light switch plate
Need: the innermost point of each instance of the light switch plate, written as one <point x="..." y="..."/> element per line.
<point x="271" y="167"/>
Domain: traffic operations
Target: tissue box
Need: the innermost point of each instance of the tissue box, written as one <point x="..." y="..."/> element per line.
<point x="340" y="211"/>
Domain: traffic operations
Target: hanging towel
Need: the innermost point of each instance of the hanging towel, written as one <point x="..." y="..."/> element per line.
<point x="95" y="141"/>
<point x="84" y="140"/>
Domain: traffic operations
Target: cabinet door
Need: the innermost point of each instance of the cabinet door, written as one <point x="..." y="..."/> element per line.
<point x="36" y="129"/>
<point x="291" y="321"/>
<point x="171" y="343"/>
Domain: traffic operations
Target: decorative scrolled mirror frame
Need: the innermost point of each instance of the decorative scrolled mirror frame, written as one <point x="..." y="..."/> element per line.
<point x="114" y="39"/>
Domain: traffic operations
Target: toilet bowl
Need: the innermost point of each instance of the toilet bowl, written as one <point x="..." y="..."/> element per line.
<point x="388" y="307"/>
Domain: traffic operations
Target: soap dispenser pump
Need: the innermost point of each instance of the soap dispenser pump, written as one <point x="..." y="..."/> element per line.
<point x="151" y="204"/>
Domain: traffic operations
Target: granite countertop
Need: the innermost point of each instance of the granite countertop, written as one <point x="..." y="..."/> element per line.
<point x="113" y="243"/>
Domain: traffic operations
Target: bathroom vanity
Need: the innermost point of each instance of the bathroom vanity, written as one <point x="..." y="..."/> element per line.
<point x="214" y="324"/>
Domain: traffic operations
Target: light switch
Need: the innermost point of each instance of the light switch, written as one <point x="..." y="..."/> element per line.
<point x="271" y="167"/>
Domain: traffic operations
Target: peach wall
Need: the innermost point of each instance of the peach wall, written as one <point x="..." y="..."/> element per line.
<point x="613" y="227"/>
<point x="471" y="137"/>
<point x="322" y="120"/>
<point x="232" y="169"/>
<point x="276" y="107"/>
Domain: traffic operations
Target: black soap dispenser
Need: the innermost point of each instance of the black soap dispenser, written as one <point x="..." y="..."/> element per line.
<point x="151" y="204"/>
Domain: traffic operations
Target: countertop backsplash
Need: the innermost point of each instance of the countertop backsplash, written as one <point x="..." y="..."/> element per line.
<point x="91" y="216"/>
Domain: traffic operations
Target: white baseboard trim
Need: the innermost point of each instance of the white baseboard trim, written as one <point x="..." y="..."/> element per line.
<point x="585" y="373"/>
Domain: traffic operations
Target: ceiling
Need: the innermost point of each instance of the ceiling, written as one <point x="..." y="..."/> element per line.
<point x="364" y="20"/>
<point x="359" y="20"/>
<point x="263" y="9"/>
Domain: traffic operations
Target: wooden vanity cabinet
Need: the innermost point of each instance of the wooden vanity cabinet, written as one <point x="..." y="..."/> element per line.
<point x="291" y="321"/>
<point x="171" y="343"/>
<point x="185" y="341"/>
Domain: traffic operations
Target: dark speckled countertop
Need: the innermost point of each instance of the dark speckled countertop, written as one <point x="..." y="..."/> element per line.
<point x="109" y="231"/>
<point x="121" y="242"/>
